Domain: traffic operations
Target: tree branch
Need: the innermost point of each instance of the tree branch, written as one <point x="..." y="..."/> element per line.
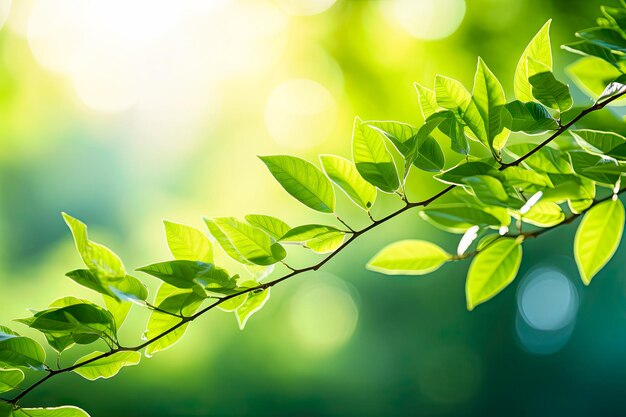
<point x="354" y="234"/>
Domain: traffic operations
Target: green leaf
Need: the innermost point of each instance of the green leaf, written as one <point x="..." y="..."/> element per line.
<point x="457" y="174"/>
<point x="76" y="320"/>
<point x="524" y="178"/>
<point x="106" y="367"/>
<point x="63" y="341"/>
<point x="596" y="141"/>
<point x="317" y="237"/>
<point x="408" y="257"/>
<point x="65" y="411"/>
<point x="187" y="243"/>
<point x="569" y="187"/>
<point x="256" y="300"/>
<point x="591" y="50"/>
<point x="602" y="169"/>
<point x="274" y="227"/>
<point x="538" y="49"/>
<point x="372" y="159"/>
<point x="608" y="38"/>
<point x="427" y="100"/>
<point x="531" y="118"/>
<point x="303" y="180"/>
<point x="430" y="157"/>
<point x="126" y="288"/>
<point x="488" y="190"/>
<point x="190" y="274"/>
<point x="176" y="301"/>
<point x="547" y="159"/>
<point x="453" y="129"/>
<point x="453" y="96"/>
<point x="20" y="351"/>
<point x="492" y="270"/>
<point x="598" y="237"/>
<point x="345" y="174"/>
<point x="10" y="379"/>
<point x="488" y="95"/>
<point x="119" y="310"/>
<point x="542" y="214"/>
<point x="244" y="242"/>
<point x="458" y="217"/>
<point x="234" y="303"/>
<point x="551" y="92"/>
<point x="95" y="256"/>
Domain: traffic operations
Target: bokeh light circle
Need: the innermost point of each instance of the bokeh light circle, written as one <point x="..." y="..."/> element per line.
<point x="304" y="7"/>
<point x="547" y="300"/>
<point x="300" y="113"/>
<point x="427" y="19"/>
<point x="323" y="315"/>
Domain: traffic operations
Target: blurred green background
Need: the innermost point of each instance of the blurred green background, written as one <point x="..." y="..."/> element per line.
<point x="127" y="112"/>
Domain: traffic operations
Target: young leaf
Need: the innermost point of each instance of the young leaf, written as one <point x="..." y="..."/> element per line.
<point x="596" y="141"/>
<point x="303" y="180"/>
<point x="256" y="300"/>
<point x="274" y="227"/>
<point x="190" y="274"/>
<point x="65" y="411"/>
<point x="549" y="91"/>
<point x="241" y="240"/>
<point x="126" y="288"/>
<point x="408" y="257"/>
<point x="453" y="129"/>
<point x="317" y="237"/>
<point x="452" y="95"/>
<point x="372" y="159"/>
<point x="187" y="243"/>
<point x="538" y="49"/>
<point x="95" y="256"/>
<point x="492" y="270"/>
<point x="542" y="214"/>
<point x="598" y="237"/>
<point x="488" y="190"/>
<point x="10" y="379"/>
<point x="108" y="366"/>
<point x="488" y="95"/>
<point x="345" y="174"/>
<point x="531" y="118"/>
<point x="427" y="100"/>
<point x="458" y="217"/>
<point x="19" y="351"/>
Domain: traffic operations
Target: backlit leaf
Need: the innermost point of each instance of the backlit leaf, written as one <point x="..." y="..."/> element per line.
<point x="108" y="366"/>
<point x="187" y="243"/>
<point x="372" y="159"/>
<point x="408" y="257"/>
<point x="344" y="173"/>
<point x="538" y="49"/>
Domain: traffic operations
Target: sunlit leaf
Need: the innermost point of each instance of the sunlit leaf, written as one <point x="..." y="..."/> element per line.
<point x="190" y="274"/>
<point x="274" y="227"/>
<point x="243" y="241"/>
<point x="344" y="173"/>
<point x="538" y="49"/>
<point x="488" y="95"/>
<point x="551" y="92"/>
<point x="598" y="237"/>
<point x="531" y="118"/>
<point x="187" y="243"/>
<point x="10" y="379"/>
<point x="303" y="180"/>
<point x="596" y="141"/>
<point x="65" y="411"/>
<point x="20" y="351"/>
<point x="427" y="100"/>
<point x="317" y="237"/>
<point x="256" y="300"/>
<point x="408" y="257"/>
<point x="542" y="214"/>
<point x="458" y="217"/>
<point x="492" y="270"/>
<point x="372" y="159"/>
<point x="108" y="366"/>
<point x="95" y="256"/>
<point x="488" y="189"/>
<point x="457" y="174"/>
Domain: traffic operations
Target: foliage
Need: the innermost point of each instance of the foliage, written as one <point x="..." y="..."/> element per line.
<point x="495" y="194"/>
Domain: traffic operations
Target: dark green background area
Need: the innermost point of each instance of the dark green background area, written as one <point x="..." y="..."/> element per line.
<point x="415" y="350"/>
